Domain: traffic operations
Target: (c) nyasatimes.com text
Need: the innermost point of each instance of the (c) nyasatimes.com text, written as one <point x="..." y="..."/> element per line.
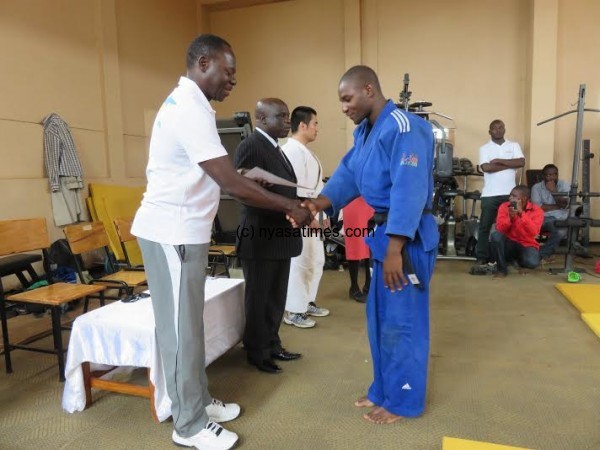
<point x="283" y="232"/>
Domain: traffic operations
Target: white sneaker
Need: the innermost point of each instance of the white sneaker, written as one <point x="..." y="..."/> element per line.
<point x="222" y="412"/>
<point x="314" y="310"/>
<point x="300" y="320"/>
<point x="211" y="437"/>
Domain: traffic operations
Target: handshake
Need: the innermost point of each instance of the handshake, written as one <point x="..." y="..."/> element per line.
<point x="303" y="213"/>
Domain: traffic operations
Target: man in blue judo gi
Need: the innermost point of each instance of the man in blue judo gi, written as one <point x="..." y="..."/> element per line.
<point x="391" y="166"/>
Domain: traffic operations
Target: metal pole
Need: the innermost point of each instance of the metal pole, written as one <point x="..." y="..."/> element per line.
<point x="572" y="236"/>
<point x="577" y="156"/>
<point x="573" y="194"/>
<point x="586" y="187"/>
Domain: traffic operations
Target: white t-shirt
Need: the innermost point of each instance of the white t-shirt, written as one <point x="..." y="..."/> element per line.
<point x="499" y="183"/>
<point x="307" y="167"/>
<point x="181" y="200"/>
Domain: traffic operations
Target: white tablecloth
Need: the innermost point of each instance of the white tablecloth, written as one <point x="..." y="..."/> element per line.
<point x="122" y="334"/>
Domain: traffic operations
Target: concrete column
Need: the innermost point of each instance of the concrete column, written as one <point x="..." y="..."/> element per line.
<point x="352" y="48"/>
<point x="202" y="18"/>
<point x="110" y="86"/>
<point x="543" y="82"/>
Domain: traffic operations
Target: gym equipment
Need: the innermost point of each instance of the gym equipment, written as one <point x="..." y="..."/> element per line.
<point x="232" y="131"/>
<point x="405" y="94"/>
<point x="458" y="235"/>
<point x="574" y="223"/>
<point x="592" y="321"/>
<point x="450" y="443"/>
<point x="584" y="297"/>
<point x="573" y="277"/>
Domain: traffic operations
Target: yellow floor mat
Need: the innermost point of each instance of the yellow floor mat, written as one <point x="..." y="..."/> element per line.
<point x="585" y="297"/>
<point x="593" y="321"/>
<point x="463" y="444"/>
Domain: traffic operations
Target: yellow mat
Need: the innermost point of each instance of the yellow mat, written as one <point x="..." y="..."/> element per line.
<point x="463" y="444"/>
<point x="585" y="297"/>
<point x="593" y="321"/>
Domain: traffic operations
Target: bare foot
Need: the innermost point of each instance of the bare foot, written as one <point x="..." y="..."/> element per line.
<point x="499" y="276"/>
<point x="380" y="416"/>
<point x="364" y="402"/>
<point x="523" y="272"/>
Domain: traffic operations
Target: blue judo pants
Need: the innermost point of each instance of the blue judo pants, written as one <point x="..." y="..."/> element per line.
<point x="398" y="328"/>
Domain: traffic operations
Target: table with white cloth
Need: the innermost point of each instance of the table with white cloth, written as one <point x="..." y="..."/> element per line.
<point x="123" y="334"/>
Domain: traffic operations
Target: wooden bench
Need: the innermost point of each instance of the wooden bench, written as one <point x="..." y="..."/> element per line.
<point x="17" y="236"/>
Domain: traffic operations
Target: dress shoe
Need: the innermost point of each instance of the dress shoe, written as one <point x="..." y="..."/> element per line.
<point x="357" y="295"/>
<point x="284" y="355"/>
<point x="266" y="365"/>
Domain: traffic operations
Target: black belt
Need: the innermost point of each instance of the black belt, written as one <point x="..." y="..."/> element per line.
<point x="410" y="271"/>
<point x="381" y="217"/>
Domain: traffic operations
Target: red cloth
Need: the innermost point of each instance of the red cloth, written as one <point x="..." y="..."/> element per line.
<point x="356" y="216"/>
<point x="522" y="228"/>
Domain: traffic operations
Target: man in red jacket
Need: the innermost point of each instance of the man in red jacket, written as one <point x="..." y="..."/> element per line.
<point x="518" y="223"/>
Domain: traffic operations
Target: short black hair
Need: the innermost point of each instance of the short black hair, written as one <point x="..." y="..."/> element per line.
<point x="524" y="190"/>
<point x="362" y="74"/>
<point x="301" y="114"/>
<point x="495" y="121"/>
<point x="205" y="45"/>
<point x="549" y="166"/>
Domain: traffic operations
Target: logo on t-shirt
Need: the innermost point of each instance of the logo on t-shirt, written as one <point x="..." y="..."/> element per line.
<point x="409" y="160"/>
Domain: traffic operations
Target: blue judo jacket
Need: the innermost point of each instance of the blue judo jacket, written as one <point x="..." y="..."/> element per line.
<point x="391" y="166"/>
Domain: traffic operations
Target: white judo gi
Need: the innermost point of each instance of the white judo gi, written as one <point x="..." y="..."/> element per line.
<point x="306" y="269"/>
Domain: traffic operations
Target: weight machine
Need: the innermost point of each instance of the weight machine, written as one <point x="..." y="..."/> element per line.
<point x="458" y="234"/>
<point x="573" y="223"/>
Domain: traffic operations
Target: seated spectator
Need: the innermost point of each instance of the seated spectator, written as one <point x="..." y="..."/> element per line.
<point x="554" y="207"/>
<point x="518" y="223"/>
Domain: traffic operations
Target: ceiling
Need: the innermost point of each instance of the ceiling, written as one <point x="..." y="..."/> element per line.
<point x="221" y="5"/>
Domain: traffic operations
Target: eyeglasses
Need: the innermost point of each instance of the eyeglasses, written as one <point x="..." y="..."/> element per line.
<point x="135" y="297"/>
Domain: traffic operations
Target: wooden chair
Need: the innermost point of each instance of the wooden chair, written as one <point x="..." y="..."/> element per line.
<point x="18" y="236"/>
<point x="123" y="227"/>
<point x="222" y="252"/>
<point x="220" y="255"/>
<point x="533" y="176"/>
<point x="87" y="237"/>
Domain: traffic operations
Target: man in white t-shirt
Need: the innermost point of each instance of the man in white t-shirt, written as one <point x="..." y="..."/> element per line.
<point x="186" y="166"/>
<point x="499" y="160"/>
<point x="306" y="269"/>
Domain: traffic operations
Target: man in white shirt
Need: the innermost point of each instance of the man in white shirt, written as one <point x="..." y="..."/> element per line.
<point x="186" y="166"/>
<point x="499" y="160"/>
<point x="306" y="269"/>
<point x="555" y="207"/>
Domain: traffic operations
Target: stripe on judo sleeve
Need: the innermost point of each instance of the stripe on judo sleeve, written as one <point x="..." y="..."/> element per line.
<point x="403" y="123"/>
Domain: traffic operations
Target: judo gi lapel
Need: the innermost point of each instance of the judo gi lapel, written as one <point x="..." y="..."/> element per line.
<point x="366" y="143"/>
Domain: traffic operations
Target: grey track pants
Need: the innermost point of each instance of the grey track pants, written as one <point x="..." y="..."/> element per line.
<point x="176" y="277"/>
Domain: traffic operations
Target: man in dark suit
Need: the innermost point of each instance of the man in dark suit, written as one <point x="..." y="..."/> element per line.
<point x="267" y="242"/>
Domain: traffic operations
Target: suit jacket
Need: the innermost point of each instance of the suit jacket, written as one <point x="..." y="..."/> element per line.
<point x="266" y="234"/>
